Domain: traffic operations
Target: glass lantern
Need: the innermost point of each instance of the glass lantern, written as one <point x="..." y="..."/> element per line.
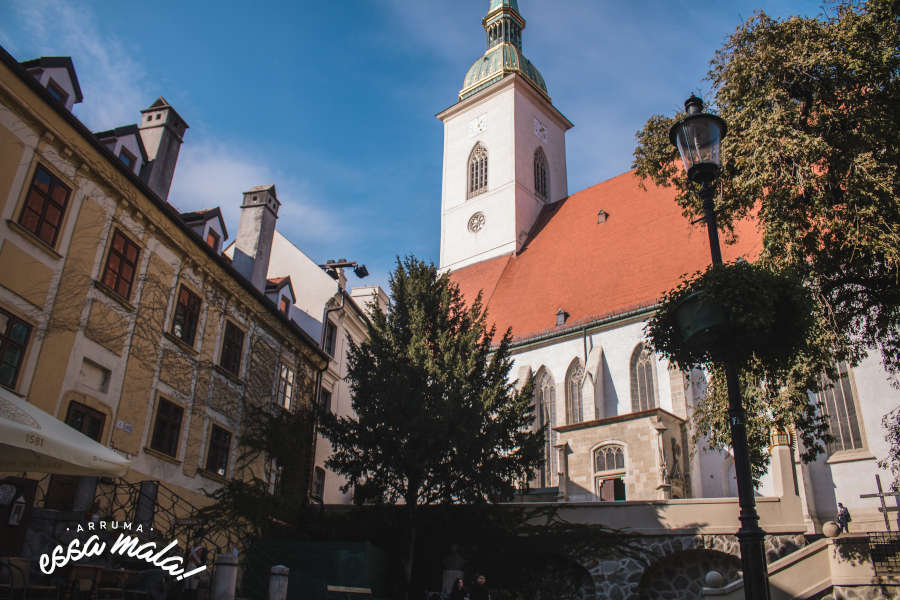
<point x="698" y="137"/>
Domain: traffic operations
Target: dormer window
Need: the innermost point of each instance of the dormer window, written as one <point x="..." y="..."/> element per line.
<point x="56" y="74"/>
<point x="285" y="305"/>
<point x="212" y="239"/>
<point x="127" y="158"/>
<point x="57" y="92"/>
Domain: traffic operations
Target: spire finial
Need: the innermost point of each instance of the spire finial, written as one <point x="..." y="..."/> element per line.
<point x="504" y="3"/>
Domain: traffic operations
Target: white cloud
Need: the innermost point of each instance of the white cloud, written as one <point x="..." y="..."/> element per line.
<point x="114" y="85"/>
<point x="212" y="174"/>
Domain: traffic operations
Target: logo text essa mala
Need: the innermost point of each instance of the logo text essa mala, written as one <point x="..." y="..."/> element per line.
<point x="125" y="545"/>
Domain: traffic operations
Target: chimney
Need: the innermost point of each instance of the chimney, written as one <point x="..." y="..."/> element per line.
<point x="256" y="230"/>
<point x="162" y="131"/>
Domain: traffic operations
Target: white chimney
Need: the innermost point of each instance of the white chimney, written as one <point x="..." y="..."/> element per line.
<point x="162" y="131"/>
<point x="256" y="229"/>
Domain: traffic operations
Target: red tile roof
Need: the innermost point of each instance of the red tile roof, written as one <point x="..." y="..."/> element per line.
<point x="594" y="270"/>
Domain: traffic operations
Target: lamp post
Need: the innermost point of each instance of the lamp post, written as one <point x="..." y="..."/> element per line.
<point x="698" y="137"/>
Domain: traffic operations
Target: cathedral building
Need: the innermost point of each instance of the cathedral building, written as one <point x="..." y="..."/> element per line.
<point x="576" y="276"/>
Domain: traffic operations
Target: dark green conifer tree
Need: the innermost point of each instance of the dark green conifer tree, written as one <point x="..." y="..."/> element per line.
<point x="437" y="420"/>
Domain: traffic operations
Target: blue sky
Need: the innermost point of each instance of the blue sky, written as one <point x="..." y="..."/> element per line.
<point x="334" y="102"/>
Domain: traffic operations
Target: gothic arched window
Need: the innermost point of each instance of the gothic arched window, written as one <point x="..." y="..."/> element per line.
<point x="609" y="472"/>
<point x="643" y="379"/>
<point x="544" y="406"/>
<point x="478" y="170"/>
<point x="609" y="458"/>
<point x="574" y="378"/>
<point x="541" y="185"/>
<point x="837" y="401"/>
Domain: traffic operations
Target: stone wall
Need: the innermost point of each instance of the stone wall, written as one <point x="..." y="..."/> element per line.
<point x="649" y="461"/>
<point x="868" y="592"/>
<point x="674" y="566"/>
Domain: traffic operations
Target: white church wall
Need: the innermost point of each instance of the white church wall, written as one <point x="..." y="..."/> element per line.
<point x="536" y="128"/>
<point x="618" y="344"/>
<point x="555" y="358"/>
<point x="845" y="475"/>
<point x="488" y="120"/>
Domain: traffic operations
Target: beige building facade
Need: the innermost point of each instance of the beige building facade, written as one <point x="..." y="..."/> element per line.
<point x="120" y="316"/>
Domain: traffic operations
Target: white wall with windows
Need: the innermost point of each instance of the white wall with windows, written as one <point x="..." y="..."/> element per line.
<point x="849" y="467"/>
<point x="612" y="366"/>
<point x="509" y="123"/>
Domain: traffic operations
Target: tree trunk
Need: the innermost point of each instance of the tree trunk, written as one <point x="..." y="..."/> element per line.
<point x="411" y="500"/>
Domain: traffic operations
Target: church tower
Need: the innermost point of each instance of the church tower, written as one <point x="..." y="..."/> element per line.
<point x="504" y="149"/>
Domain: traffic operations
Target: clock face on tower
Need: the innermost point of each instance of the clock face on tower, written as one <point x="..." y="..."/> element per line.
<point x="540" y="130"/>
<point x="477" y="125"/>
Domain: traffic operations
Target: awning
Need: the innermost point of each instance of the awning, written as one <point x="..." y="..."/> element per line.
<point x="31" y="440"/>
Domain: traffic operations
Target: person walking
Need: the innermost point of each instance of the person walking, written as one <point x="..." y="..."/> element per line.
<point x="196" y="556"/>
<point x="843" y="518"/>
<point x="459" y="591"/>
<point x="480" y="590"/>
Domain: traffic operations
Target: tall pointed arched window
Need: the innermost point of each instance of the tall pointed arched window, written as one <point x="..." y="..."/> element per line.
<point x="541" y="181"/>
<point x="543" y="421"/>
<point x="837" y="401"/>
<point x="478" y="170"/>
<point x="643" y="380"/>
<point x="574" y="379"/>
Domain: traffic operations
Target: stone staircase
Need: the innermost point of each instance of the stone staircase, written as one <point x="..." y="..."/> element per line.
<point x="850" y="567"/>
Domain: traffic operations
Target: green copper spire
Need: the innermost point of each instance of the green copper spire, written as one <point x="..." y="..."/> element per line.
<point x="504" y="3"/>
<point x="503" y="25"/>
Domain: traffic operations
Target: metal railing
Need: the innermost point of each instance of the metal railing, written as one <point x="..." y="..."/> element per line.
<point x="165" y="516"/>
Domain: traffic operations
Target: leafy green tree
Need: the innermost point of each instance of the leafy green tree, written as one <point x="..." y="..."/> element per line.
<point x="891" y="423"/>
<point x="812" y="153"/>
<point x="436" y="419"/>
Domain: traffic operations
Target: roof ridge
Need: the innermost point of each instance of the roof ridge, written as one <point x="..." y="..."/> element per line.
<point x="497" y="281"/>
<point x="542" y="220"/>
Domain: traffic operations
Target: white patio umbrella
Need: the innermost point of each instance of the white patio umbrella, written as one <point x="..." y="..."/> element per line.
<point x="31" y="440"/>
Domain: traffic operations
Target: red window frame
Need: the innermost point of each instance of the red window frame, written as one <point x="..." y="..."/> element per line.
<point x="187" y="314"/>
<point x="121" y="264"/>
<point x="219" y="449"/>
<point x="212" y="239"/>
<point x="167" y="427"/>
<point x="232" y="348"/>
<point x="13" y="342"/>
<point x="45" y="206"/>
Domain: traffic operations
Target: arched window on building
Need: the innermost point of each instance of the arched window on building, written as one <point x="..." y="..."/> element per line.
<point x="838" y="402"/>
<point x="609" y="472"/>
<point x="478" y="170"/>
<point x="544" y="406"/>
<point x="643" y="380"/>
<point x="574" y="379"/>
<point x="541" y="182"/>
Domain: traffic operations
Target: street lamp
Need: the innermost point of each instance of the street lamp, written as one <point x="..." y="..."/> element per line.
<point x="698" y="137"/>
